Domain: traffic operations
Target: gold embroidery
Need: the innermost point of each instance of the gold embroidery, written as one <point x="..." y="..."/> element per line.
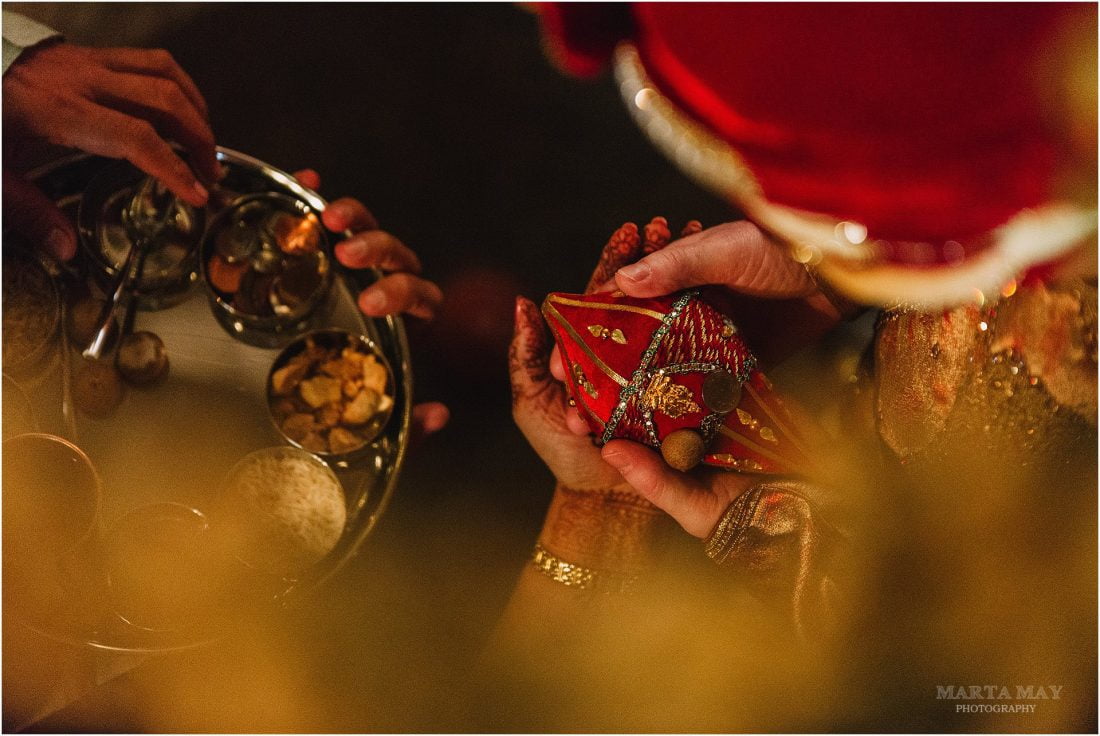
<point x="752" y="423"/>
<point x="578" y="374"/>
<point x="667" y="397"/>
<point x="775" y="419"/>
<point x="549" y="310"/>
<point x="745" y="441"/>
<point x="738" y="463"/>
<point x="602" y="332"/>
<point x="747" y="419"/>
<point x="659" y="316"/>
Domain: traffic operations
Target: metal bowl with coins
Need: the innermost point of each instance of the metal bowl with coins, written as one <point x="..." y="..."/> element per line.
<point x="265" y="262"/>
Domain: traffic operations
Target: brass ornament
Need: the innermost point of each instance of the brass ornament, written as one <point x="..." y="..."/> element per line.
<point x="683" y="449"/>
<point x="615" y="335"/>
<point x="721" y="391"/>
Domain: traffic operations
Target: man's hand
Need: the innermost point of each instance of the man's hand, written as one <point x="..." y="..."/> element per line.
<point x="119" y="103"/>
<point x="773" y="299"/>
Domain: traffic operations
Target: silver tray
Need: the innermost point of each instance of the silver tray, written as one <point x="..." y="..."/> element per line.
<point x="215" y="391"/>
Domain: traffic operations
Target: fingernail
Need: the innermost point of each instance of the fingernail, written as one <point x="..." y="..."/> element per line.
<point x="341" y="212"/>
<point x="374" y="301"/>
<point x="353" y="248"/>
<point x="201" y="191"/>
<point x="60" y="244"/>
<point x="635" y="272"/>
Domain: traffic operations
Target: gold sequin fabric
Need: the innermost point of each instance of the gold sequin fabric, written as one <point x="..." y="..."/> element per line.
<point x="1017" y="378"/>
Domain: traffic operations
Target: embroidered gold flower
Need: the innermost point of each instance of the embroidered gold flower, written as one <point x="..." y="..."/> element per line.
<point x="667" y="397"/>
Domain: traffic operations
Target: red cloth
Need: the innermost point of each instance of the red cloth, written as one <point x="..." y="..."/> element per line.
<point x="636" y="369"/>
<point x="921" y="121"/>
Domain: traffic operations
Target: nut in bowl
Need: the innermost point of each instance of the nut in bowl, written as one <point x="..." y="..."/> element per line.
<point x="265" y="263"/>
<point x="331" y="393"/>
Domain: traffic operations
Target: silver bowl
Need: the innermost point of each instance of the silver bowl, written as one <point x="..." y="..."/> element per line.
<point x="245" y="286"/>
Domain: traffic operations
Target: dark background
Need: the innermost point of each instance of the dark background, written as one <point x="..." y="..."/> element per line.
<point x="506" y="177"/>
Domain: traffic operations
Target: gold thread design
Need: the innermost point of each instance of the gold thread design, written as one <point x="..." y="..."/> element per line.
<point x="581" y="344"/>
<point x="616" y="335"/>
<point x="610" y="307"/>
<point x="671" y="399"/>
<point x="583" y="382"/>
<point x="745" y="441"/>
<point x="739" y="463"/>
<point x="775" y="419"/>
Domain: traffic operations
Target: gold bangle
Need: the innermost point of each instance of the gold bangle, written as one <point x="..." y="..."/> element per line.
<point x="581" y="578"/>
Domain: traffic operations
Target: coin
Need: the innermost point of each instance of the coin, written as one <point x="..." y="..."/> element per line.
<point x="721" y="391"/>
<point x="237" y="242"/>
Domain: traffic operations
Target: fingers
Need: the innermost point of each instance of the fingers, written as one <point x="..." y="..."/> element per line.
<point x="30" y="213"/>
<point x="113" y="134"/>
<point x="427" y="419"/>
<point x="673" y="492"/>
<point x="528" y="355"/>
<point x="574" y="418"/>
<point x="348" y="214"/>
<point x="623" y="247"/>
<point x="657" y="235"/>
<point x="308" y="178"/>
<point x="379" y="249"/>
<point x="156" y="62"/>
<point x="557" y="368"/>
<point x="576" y="424"/>
<point x="164" y="104"/>
<point x="736" y="255"/>
<point x="401" y="292"/>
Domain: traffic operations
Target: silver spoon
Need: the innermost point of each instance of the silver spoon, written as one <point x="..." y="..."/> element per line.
<point x="145" y="217"/>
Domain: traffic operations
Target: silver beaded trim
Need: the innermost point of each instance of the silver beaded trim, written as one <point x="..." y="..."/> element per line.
<point x="642" y="375"/>
<point x="641" y="372"/>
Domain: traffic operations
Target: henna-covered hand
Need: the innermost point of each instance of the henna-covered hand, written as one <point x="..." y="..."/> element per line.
<point x="539" y="398"/>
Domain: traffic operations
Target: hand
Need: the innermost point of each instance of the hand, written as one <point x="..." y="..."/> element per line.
<point x="539" y="398"/>
<point x="31" y="214"/>
<point x="394" y="293"/>
<point x="695" y="500"/>
<point x="743" y="259"/>
<point x="120" y="103"/>
<point x="773" y="299"/>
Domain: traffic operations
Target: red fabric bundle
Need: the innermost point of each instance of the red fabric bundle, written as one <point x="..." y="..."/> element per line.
<point x="672" y="373"/>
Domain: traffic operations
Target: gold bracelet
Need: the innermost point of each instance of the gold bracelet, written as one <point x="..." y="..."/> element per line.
<point x="581" y="578"/>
